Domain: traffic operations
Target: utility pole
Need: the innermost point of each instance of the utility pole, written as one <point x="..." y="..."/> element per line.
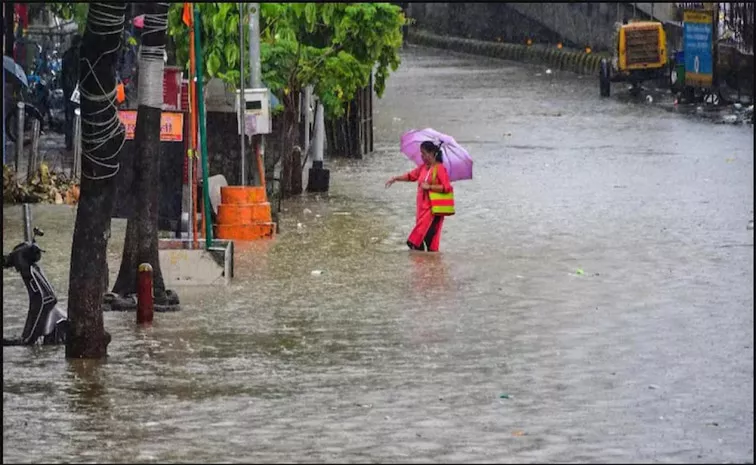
<point x="5" y="6"/>
<point x="319" y="177"/>
<point x="242" y="97"/>
<point x="255" y="78"/>
<point x="306" y="118"/>
<point x="319" y="135"/>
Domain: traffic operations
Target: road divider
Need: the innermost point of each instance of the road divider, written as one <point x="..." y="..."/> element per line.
<point x="556" y="58"/>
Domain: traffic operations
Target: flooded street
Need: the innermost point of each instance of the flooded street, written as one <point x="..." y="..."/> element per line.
<point x="495" y="350"/>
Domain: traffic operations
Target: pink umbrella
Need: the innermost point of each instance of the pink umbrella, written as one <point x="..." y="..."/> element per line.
<point x="457" y="161"/>
<point x="139" y="21"/>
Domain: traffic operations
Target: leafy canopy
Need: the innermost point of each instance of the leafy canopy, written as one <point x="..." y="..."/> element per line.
<point x="332" y="46"/>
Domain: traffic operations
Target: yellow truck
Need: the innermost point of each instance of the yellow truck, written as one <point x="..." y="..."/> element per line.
<point x="640" y="55"/>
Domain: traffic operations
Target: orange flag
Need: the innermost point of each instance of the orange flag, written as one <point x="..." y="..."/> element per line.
<point x="120" y="92"/>
<point x="187" y="16"/>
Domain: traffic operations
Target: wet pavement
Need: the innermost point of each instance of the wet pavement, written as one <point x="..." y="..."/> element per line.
<point x="495" y="350"/>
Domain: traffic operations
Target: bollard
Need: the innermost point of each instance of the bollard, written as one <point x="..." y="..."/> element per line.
<point x="145" y="305"/>
<point x="76" y="171"/>
<point x="34" y="154"/>
<point x="19" y="132"/>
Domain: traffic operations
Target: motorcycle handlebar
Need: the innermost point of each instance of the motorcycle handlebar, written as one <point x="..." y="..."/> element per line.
<point x="23" y="255"/>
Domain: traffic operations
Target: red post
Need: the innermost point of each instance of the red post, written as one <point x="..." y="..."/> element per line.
<point x="145" y="306"/>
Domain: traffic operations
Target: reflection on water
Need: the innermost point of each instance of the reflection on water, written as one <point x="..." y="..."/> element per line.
<point x="430" y="274"/>
<point x="388" y="355"/>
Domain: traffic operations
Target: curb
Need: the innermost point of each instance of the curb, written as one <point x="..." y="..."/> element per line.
<point x="576" y="62"/>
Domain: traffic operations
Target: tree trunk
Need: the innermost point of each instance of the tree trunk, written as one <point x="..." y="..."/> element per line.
<point x="331" y="139"/>
<point x="141" y="244"/>
<point x="354" y="130"/>
<point x="102" y="139"/>
<point x="296" y="172"/>
<point x="290" y="134"/>
<point x="344" y="136"/>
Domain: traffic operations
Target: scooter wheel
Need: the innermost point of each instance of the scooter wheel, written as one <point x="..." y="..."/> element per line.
<point x="605" y="83"/>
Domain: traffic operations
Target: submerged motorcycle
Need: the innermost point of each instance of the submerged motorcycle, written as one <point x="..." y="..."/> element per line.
<point x="46" y="322"/>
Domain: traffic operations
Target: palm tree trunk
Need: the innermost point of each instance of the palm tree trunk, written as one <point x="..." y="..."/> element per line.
<point x="102" y="139"/>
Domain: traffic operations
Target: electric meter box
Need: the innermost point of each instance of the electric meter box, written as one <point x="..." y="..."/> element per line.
<point x="256" y="111"/>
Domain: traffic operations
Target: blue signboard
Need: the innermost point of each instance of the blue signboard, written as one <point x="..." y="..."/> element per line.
<point x="698" y="46"/>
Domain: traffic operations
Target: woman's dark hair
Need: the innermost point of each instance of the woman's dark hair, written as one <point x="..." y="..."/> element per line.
<point x="430" y="147"/>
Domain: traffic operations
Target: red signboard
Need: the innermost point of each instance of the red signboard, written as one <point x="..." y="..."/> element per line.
<point x="171" y="88"/>
<point x="171" y="125"/>
<point x="22" y="11"/>
<point x="185" y="95"/>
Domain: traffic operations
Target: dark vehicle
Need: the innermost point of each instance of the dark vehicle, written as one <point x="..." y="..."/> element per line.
<point x="46" y="323"/>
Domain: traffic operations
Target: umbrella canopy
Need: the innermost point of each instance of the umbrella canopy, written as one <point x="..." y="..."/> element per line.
<point x="457" y="161"/>
<point x="15" y="69"/>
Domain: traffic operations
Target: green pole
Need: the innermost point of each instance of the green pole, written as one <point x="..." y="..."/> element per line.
<point x="201" y="121"/>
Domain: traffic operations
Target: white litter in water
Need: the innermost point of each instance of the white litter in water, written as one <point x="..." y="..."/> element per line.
<point x="649" y="99"/>
<point x="307" y="211"/>
<point x="316" y="272"/>
<point x="729" y="118"/>
<point x="548" y="71"/>
<point x="299" y="226"/>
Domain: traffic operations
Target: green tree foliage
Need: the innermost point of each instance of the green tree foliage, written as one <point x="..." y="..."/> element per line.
<point x="332" y="46"/>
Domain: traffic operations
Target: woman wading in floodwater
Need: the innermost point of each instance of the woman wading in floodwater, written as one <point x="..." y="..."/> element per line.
<point x="431" y="176"/>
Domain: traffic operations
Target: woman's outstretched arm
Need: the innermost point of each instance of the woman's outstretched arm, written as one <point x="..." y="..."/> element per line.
<point x="410" y="176"/>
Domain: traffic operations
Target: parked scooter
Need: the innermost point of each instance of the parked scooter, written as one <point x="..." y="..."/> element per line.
<point x="46" y="322"/>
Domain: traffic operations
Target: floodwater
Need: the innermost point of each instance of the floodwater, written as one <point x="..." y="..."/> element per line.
<point x="495" y="350"/>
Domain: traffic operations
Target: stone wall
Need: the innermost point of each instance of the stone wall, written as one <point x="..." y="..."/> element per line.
<point x="483" y="21"/>
<point x="574" y="24"/>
